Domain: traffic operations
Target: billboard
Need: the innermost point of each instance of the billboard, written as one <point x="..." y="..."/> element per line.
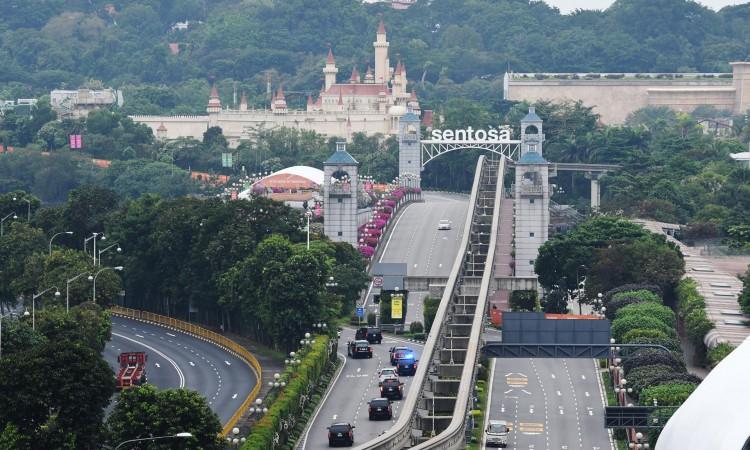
<point x="397" y="302"/>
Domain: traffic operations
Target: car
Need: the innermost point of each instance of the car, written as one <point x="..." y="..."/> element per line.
<point x="496" y="433"/>
<point x="341" y="433"/>
<point x="380" y="408"/>
<point x="359" y="349"/>
<point x="392" y="389"/>
<point x="374" y="335"/>
<point x="395" y="350"/>
<point x="361" y="333"/>
<point x="406" y="365"/>
<point x="444" y="224"/>
<point x="386" y="373"/>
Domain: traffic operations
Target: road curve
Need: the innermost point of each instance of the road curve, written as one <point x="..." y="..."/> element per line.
<point x="178" y="360"/>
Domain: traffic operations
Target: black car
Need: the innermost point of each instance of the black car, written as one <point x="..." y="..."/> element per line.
<point x="394" y="352"/>
<point x="373" y="335"/>
<point x="392" y="389"/>
<point x="359" y="349"/>
<point x="361" y="333"/>
<point x="406" y="365"/>
<point x="380" y="408"/>
<point x="341" y="433"/>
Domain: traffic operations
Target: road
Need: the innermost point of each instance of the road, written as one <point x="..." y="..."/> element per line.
<point x="416" y="241"/>
<point x="355" y="386"/>
<point x="549" y="403"/>
<point x="178" y="360"/>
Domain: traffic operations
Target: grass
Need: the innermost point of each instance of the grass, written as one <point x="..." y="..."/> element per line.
<point x="476" y="433"/>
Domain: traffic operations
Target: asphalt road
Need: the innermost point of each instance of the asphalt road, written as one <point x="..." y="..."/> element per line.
<point x="178" y="360"/>
<point x="549" y="403"/>
<point x="426" y="250"/>
<point x="356" y="385"/>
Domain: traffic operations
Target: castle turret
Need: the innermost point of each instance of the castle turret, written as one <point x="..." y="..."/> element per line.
<point x="279" y="103"/>
<point x="214" y="102"/>
<point x="161" y="132"/>
<point x="310" y="104"/>
<point x="369" y="77"/>
<point x="355" y="78"/>
<point x="243" y="102"/>
<point x="330" y="70"/>
<point x="382" y="73"/>
<point x="413" y="104"/>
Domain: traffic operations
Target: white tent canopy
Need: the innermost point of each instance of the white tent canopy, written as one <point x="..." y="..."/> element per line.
<point x="716" y="416"/>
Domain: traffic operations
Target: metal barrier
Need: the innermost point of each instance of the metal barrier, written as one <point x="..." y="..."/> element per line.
<point x="399" y="436"/>
<point x="207" y="335"/>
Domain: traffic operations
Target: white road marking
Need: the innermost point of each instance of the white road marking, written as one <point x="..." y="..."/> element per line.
<point x="170" y="334"/>
<point x="170" y="360"/>
<point x="508" y="391"/>
<point x="157" y="365"/>
<point x="228" y="363"/>
<point x="192" y="363"/>
<point x="586" y="394"/>
<point x="527" y="392"/>
<point x="138" y="335"/>
<point x="553" y="376"/>
<point x="583" y="377"/>
<point x="559" y="393"/>
<point x="234" y="396"/>
<point x="334" y="417"/>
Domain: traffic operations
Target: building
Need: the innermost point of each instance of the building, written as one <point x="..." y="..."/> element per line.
<point x="371" y="103"/>
<point x="615" y="95"/>
<point x="69" y="104"/>
<point x="395" y="4"/>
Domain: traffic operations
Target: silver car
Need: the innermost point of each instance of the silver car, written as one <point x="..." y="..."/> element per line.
<point x="496" y="433"/>
<point x="444" y="224"/>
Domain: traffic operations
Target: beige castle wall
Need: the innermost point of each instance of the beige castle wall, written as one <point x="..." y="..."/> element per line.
<point x="615" y="99"/>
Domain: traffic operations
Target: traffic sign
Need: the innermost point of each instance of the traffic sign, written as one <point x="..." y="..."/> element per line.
<point x="377" y="281"/>
<point x="360" y="312"/>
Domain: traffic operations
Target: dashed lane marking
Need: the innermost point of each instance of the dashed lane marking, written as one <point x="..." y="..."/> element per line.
<point x="170" y="334"/>
<point x="157" y="365"/>
<point x="138" y="335"/>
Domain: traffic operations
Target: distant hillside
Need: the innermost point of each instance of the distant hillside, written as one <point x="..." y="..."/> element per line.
<point x="452" y="48"/>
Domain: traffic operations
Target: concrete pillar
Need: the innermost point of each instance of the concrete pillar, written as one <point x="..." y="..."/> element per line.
<point x="741" y="84"/>
<point x="595" y="193"/>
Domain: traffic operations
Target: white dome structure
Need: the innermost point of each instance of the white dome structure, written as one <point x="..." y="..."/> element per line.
<point x="292" y="178"/>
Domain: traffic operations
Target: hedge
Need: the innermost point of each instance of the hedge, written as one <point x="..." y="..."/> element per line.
<point x="633" y="287"/>
<point x="638" y="333"/>
<point x="623" y="299"/>
<point x="649" y="357"/>
<point x="623" y="325"/>
<point x="716" y="354"/>
<point x="649" y="376"/>
<point x="669" y="394"/>
<point x="288" y="403"/>
<point x="692" y="308"/>
<point x="670" y="343"/>
<point x="652" y="309"/>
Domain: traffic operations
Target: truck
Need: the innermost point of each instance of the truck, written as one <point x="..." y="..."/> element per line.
<point x="132" y="370"/>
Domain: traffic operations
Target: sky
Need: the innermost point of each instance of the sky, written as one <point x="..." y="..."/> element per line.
<point x="567" y="6"/>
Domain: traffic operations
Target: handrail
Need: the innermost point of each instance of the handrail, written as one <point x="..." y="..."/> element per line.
<point x="453" y="437"/>
<point x="210" y="336"/>
<point x="399" y="436"/>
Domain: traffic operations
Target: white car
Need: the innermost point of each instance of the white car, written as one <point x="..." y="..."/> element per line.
<point x="385" y="373"/>
<point x="496" y="433"/>
<point x="444" y="224"/>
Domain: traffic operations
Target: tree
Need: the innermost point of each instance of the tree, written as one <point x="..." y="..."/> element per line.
<point x="669" y="394"/>
<point x="431" y="306"/>
<point x="18" y="244"/>
<point x="87" y="209"/>
<point x="146" y="411"/>
<point x="523" y="300"/>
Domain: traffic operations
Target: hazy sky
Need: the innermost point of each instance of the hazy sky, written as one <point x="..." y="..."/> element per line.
<point x="570" y="5"/>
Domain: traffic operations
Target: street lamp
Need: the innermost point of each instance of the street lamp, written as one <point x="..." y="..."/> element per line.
<point x="119" y="268"/>
<point x="155" y="438"/>
<point x="235" y="441"/>
<point x="67" y="289"/>
<point x="579" y="285"/>
<point x="119" y="250"/>
<point x="54" y="236"/>
<point x="28" y="211"/>
<point x="308" y="214"/>
<point x="33" y="303"/>
<point x="4" y="219"/>
<point x="93" y="236"/>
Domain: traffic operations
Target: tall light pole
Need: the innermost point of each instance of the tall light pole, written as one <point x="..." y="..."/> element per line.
<point x="28" y="210"/>
<point x="102" y="251"/>
<point x="155" y="438"/>
<point x="67" y="289"/>
<point x="119" y="268"/>
<point x="578" y="287"/>
<point x="93" y="236"/>
<point x="54" y="236"/>
<point x="4" y="219"/>
<point x="33" y="303"/>
<point x="308" y="214"/>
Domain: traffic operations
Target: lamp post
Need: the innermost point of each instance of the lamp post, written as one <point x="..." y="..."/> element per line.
<point x="4" y="219"/>
<point x="308" y="214"/>
<point x="155" y="438"/>
<point x="28" y="210"/>
<point x="67" y="289"/>
<point x="54" y="236"/>
<point x="93" y="236"/>
<point x="119" y="268"/>
<point x="33" y="303"/>
<point x="119" y="250"/>
<point x="579" y="284"/>
<point x="234" y="440"/>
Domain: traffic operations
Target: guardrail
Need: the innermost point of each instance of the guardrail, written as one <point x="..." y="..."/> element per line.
<point x="399" y="436"/>
<point x="207" y="335"/>
<point x="454" y="436"/>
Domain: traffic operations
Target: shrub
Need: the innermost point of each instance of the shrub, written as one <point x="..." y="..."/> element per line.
<point x="669" y="394"/>
<point x="624" y="324"/>
<point x="670" y="343"/>
<point x="625" y="298"/>
<point x="652" y="309"/>
<point x="716" y="354"/>
<point x="698" y="325"/>
<point x="640" y="377"/>
<point x="688" y="297"/>
<point x="631" y="288"/>
<point x="650" y="357"/>
<point x="639" y="333"/>
<point x="430" y="310"/>
<point x="523" y="300"/>
<point x="416" y="327"/>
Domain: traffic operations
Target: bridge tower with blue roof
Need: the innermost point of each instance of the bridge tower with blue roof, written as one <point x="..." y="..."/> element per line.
<point x="340" y="187"/>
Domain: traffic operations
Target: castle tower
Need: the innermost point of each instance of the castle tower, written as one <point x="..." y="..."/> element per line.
<point x="382" y="73"/>
<point x="330" y="70"/>
<point x="369" y="77"/>
<point x="531" y="197"/>
<point x="214" y="107"/>
<point x="409" y="151"/>
<point x="243" y="102"/>
<point x="310" y="104"/>
<point x="741" y="84"/>
<point x="340" y="196"/>
<point x="279" y="103"/>
<point x="355" y="78"/>
<point x="161" y="132"/>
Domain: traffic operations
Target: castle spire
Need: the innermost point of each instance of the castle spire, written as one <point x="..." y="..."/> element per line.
<point x="381" y="27"/>
<point x="330" y="59"/>
<point x="214" y="102"/>
<point x="330" y="69"/>
<point x="355" y="76"/>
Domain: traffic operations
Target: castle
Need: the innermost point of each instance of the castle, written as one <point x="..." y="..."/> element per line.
<point x="371" y="104"/>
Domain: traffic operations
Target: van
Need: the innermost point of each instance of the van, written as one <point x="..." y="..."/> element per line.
<point x="496" y="433"/>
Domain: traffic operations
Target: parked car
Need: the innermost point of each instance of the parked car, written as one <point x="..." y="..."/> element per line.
<point x="444" y="224"/>
<point x="359" y="349"/>
<point x="380" y="408"/>
<point x="341" y="433"/>
<point x="392" y="389"/>
<point x="496" y="433"/>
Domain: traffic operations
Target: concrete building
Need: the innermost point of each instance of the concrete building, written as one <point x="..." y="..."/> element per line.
<point x="69" y="104"/>
<point x="373" y="103"/>
<point x="615" y="95"/>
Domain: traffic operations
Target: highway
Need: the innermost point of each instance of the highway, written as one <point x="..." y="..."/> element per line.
<point x="355" y="386"/>
<point x="416" y="241"/>
<point x="549" y="403"/>
<point x="178" y="360"/>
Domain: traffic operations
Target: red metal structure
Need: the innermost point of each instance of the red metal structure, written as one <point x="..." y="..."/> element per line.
<point x="132" y="369"/>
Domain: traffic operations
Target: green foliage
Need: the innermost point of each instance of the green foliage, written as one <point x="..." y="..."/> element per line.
<point x="431" y="306"/>
<point x="648" y="357"/>
<point x="416" y="327"/>
<point x="663" y="313"/>
<point x="555" y="302"/>
<point x="523" y="300"/>
<point x="148" y="411"/>
<point x="744" y="298"/>
<point x="625" y="298"/>
<point x="649" y="376"/>
<point x="641" y="336"/>
<point x="692" y="308"/>
<point x="669" y="394"/>
<point x="18" y="243"/>
<point x="624" y="324"/>
<point x="718" y="353"/>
